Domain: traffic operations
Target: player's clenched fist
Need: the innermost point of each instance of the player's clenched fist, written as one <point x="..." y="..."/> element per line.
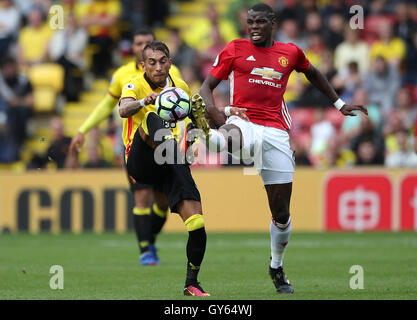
<point x="150" y="98"/>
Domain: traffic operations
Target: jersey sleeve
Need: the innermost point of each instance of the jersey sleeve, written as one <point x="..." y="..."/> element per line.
<point x="222" y="66"/>
<point x="131" y="89"/>
<point x="115" y="88"/>
<point x="302" y="64"/>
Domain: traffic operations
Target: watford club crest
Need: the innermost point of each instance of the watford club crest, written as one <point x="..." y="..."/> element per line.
<point x="283" y="61"/>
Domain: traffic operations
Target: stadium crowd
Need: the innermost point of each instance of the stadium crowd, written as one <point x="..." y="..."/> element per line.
<point x="374" y="66"/>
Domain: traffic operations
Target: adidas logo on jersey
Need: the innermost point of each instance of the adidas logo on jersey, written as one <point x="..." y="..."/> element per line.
<point x="251" y="58"/>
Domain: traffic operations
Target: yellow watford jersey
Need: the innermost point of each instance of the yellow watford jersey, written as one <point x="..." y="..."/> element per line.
<point x="128" y="71"/>
<point x="138" y="88"/>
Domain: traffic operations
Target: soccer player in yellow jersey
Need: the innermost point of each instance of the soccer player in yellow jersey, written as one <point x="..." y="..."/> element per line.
<point x="148" y="218"/>
<point x="141" y="128"/>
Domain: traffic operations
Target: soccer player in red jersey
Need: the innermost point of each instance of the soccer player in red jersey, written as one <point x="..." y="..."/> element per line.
<point x="258" y="121"/>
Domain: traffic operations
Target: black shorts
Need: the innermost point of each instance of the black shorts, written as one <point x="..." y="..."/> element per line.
<point x="174" y="180"/>
<point x="132" y="184"/>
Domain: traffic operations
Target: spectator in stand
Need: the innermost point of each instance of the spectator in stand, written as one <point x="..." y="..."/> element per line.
<point x="237" y="12"/>
<point x="352" y="49"/>
<point x="347" y="81"/>
<point x="352" y="125"/>
<point x="16" y="103"/>
<point x="56" y="154"/>
<point x="67" y="48"/>
<point x="190" y="77"/>
<point x="9" y="26"/>
<point x="338" y="7"/>
<point x="368" y="145"/>
<point x="404" y="157"/>
<point x="181" y="54"/>
<point x="333" y="35"/>
<point x="101" y="19"/>
<point x="405" y="26"/>
<point x="94" y="156"/>
<point x="199" y="35"/>
<point x="393" y="125"/>
<point x="366" y="153"/>
<point x="290" y="33"/>
<point x="382" y="85"/>
<point x="321" y="131"/>
<point x="33" y="43"/>
<point x="410" y="62"/>
<point x="313" y="22"/>
<point x="300" y="12"/>
<point x="208" y="56"/>
<point x="316" y="49"/>
<point x="58" y="149"/>
<point x="337" y="154"/>
<point x="406" y="110"/>
<point x="391" y="48"/>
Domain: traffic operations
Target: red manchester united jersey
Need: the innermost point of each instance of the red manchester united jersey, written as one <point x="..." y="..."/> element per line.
<point x="258" y="78"/>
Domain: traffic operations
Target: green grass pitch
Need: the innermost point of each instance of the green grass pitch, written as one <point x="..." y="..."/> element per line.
<point x="235" y="266"/>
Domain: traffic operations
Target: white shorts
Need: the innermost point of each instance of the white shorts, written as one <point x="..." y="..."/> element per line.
<point x="269" y="148"/>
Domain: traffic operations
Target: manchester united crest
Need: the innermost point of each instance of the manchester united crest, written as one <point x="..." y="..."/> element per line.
<point x="283" y="61"/>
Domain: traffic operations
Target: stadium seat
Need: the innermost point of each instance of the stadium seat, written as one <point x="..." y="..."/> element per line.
<point x="47" y="81"/>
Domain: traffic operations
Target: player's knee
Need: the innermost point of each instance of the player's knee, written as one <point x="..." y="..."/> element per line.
<point x="143" y="198"/>
<point x="281" y="216"/>
<point x="194" y="222"/>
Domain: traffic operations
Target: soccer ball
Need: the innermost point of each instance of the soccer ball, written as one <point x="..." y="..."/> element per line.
<point x="173" y="104"/>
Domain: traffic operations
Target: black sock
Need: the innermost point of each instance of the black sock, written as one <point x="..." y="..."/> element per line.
<point x="196" y="247"/>
<point x="157" y="222"/>
<point x="142" y="224"/>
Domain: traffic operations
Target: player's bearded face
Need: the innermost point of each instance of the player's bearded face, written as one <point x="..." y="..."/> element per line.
<point x="156" y="66"/>
<point x="259" y="27"/>
<point x="139" y="43"/>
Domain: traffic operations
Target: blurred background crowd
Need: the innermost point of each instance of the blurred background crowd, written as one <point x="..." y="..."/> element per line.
<point x="53" y="73"/>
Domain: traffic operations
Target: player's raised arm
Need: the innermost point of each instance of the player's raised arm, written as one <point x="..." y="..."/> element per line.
<point x="206" y="92"/>
<point x="318" y="80"/>
<point x="128" y="106"/>
<point x="100" y="112"/>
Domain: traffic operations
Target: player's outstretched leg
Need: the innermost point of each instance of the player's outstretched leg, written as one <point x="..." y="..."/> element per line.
<point x="196" y="246"/>
<point x="280" y="230"/>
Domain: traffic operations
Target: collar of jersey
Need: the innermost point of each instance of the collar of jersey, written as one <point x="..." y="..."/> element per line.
<point x="153" y="85"/>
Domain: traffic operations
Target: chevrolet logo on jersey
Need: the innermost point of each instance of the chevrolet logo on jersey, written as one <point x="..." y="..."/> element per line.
<point x="267" y="73"/>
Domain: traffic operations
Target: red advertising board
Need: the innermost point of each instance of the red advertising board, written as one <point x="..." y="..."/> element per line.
<point x="358" y="202"/>
<point x="408" y="203"/>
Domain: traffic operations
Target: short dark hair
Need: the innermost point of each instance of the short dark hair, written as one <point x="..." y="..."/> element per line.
<point x="156" y="46"/>
<point x="262" y="7"/>
<point x="144" y="31"/>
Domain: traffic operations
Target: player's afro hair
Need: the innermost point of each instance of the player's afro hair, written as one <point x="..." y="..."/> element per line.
<point x="262" y="7"/>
